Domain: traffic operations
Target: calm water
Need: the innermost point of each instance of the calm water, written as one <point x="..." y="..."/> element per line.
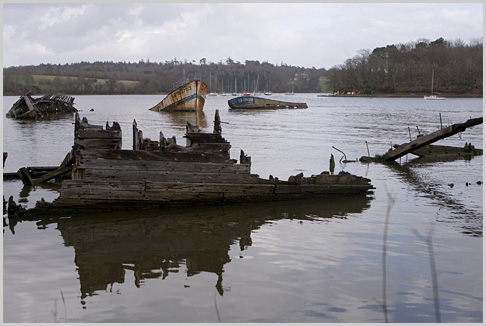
<point x="303" y="261"/>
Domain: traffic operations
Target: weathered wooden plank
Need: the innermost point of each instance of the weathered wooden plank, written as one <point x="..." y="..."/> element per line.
<point x="165" y="176"/>
<point x="51" y="175"/>
<point x="100" y="143"/>
<point x="205" y="138"/>
<point x="211" y="187"/>
<point x="25" y="176"/>
<point x="140" y="196"/>
<point x="439" y="151"/>
<point x="212" y="147"/>
<point x="42" y="168"/>
<point x="162" y="155"/>
<point x="161" y="190"/>
<point x="138" y="165"/>
<point x="98" y="133"/>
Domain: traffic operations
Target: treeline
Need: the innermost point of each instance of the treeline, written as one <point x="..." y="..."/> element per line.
<point x="145" y="77"/>
<point x="407" y="68"/>
<point x="394" y="69"/>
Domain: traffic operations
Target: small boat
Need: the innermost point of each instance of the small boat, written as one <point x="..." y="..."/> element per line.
<point x="253" y="102"/>
<point x="432" y="96"/>
<point x="188" y="97"/>
<point x="290" y="92"/>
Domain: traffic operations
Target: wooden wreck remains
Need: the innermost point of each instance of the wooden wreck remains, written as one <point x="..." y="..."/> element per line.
<point x="28" y="107"/>
<point x="421" y="146"/>
<point x="156" y="174"/>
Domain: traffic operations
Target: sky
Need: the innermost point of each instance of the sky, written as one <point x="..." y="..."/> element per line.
<point x="320" y="35"/>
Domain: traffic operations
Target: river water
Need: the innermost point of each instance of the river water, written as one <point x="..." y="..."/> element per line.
<point x="304" y="261"/>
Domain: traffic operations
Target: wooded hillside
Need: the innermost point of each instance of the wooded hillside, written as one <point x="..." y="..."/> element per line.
<point x="407" y="68"/>
<point x="145" y="77"/>
<point x="394" y="69"/>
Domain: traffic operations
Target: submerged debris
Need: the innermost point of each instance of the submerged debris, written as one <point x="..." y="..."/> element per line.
<point x="421" y="146"/>
<point x="28" y="107"/>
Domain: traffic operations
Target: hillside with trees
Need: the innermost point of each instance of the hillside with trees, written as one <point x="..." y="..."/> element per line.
<point x="392" y="69"/>
<point x="407" y="68"/>
<point x="145" y="77"/>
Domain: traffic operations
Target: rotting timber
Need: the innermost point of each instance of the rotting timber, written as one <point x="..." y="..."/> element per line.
<point x="28" y="107"/>
<point x="417" y="145"/>
<point x="158" y="174"/>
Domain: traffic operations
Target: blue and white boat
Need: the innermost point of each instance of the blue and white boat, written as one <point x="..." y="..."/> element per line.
<point x="253" y="102"/>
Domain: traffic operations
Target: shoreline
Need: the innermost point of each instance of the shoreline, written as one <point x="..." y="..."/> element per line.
<point x="404" y="95"/>
<point x="378" y="95"/>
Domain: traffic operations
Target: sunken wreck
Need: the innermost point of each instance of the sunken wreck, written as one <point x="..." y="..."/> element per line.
<point x="28" y="107"/>
<point x="158" y="174"/>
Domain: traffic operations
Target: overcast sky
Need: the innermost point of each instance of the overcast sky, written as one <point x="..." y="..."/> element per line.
<point x="319" y="35"/>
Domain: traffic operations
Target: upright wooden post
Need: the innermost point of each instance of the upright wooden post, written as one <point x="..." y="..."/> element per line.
<point x="217" y="123"/>
<point x="136" y="145"/>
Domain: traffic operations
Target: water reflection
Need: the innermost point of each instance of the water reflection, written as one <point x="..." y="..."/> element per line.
<point x="471" y="221"/>
<point x="45" y="118"/>
<point x="155" y="244"/>
<point x="197" y="118"/>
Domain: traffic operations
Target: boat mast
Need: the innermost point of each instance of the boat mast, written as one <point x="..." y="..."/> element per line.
<point x="432" y="88"/>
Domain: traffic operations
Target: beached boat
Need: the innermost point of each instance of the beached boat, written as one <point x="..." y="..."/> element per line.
<point x="188" y="97"/>
<point x="157" y="174"/>
<point x="253" y="102"/>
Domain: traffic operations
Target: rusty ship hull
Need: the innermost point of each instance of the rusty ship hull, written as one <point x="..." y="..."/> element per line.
<point x="188" y="97"/>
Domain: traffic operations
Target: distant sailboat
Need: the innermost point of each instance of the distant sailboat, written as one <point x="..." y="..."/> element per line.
<point x="268" y="92"/>
<point x="292" y="92"/>
<point x="236" y="92"/>
<point x="432" y="96"/>
<point x="211" y="86"/>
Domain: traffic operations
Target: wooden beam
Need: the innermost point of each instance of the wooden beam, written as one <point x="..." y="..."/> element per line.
<point x="51" y="175"/>
<point x="422" y="141"/>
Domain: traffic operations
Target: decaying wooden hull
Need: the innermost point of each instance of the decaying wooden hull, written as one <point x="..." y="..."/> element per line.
<point x="188" y="97"/>
<point x="45" y="106"/>
<point x="161" y="173"/>
<point x="253" y="102"/>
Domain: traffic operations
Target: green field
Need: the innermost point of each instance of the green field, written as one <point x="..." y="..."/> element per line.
<point x="40" y="80"/>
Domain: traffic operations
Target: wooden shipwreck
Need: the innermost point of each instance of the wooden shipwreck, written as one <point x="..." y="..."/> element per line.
<point x="421" y="146"/>
<point x="156" y="174"/>
<point x="28" y="107"/>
